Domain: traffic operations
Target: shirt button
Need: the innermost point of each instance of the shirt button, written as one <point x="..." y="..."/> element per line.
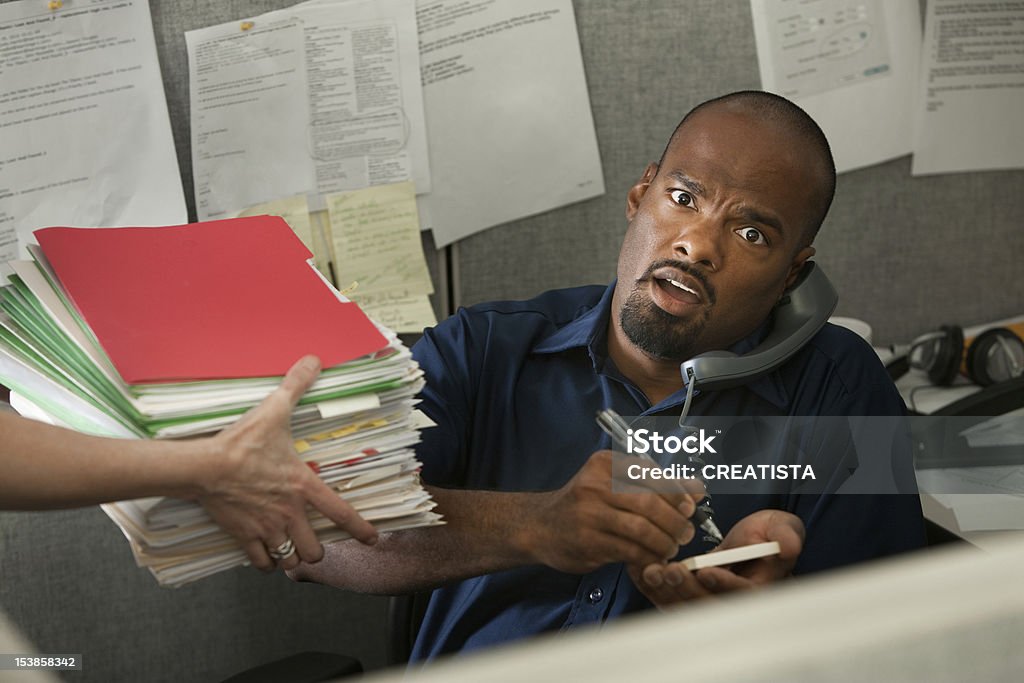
<point x="596" y="595"/>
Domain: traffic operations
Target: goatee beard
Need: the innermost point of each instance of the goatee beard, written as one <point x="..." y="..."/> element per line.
<point x="656" y="333"/>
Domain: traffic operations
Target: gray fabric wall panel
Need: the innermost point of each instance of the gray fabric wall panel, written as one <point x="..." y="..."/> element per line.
<point x="910" y="254"/>
<point x="70" y="584"/>
<point x="906" y="253"/>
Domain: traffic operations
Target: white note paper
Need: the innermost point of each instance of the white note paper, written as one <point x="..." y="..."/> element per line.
<point x="508" y="115"/>
<point x="84" y="135"/>
<point x="319" y="98"/>
<point x="971" y="92"/>
<point x="851" y="64"/>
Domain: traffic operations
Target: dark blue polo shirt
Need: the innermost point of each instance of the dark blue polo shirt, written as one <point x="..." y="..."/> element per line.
<point x="514" y="388"/>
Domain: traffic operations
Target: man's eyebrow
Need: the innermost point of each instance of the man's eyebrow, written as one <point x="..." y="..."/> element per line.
<point x="689" y="183"/>
<point x="755" y="216"/>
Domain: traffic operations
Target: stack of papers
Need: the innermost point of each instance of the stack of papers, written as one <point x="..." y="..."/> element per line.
<point x="175" y="332"/>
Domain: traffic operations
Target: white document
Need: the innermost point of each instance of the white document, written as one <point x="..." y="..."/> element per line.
<point x="851" y="64"/>
<point x="508" y="115"/>
<point x="320" y="98"/>
<point x="84" y="135"/>
<point x="971" y="92"/>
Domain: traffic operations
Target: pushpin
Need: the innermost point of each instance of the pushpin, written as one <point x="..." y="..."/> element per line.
<point x="246" y="25"/>
<point x="55" y="5"/>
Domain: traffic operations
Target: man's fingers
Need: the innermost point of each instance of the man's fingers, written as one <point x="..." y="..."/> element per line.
<point x="638" y="530"/>
<point x="671" y="519"/>
<point x="617" y="548"/>
<point x="666" y="584"/>
<point x="719" y="580"/>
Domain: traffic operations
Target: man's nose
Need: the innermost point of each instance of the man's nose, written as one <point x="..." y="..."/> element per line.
<point x="699" y="240"/>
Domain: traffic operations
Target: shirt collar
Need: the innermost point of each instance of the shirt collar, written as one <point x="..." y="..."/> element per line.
<point x="589" y="329"/>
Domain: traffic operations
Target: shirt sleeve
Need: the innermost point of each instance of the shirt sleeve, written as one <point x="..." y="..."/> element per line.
<point x="444" y="356"/>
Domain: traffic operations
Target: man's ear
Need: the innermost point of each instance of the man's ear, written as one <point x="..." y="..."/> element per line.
<point x="639" y="189"/>
<point x="797" y="264"/>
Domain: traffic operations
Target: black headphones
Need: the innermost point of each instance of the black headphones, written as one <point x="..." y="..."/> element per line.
<point x="994" y="356"/>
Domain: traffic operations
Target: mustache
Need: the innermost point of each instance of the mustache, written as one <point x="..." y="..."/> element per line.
<point x="685" y="267"/>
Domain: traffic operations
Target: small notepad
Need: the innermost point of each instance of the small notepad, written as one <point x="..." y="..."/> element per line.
<point x="731" y="556"/>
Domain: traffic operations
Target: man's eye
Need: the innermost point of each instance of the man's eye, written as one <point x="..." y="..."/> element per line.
<point x="681" y="197"/>
<point x="752" y="235"/>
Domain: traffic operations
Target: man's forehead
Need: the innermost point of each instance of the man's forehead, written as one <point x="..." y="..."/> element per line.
<point x="728" y="123"/>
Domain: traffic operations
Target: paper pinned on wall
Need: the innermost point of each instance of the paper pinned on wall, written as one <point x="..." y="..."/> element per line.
<point x="84" y="130"/>
<point x="404" y="312"/>
<point x="377" y="245"/>
<point x="509" y="122"/>
<point x="851" y="64"/>
<point x="971" y="92"/>
<point x="295" y="212"/>
<point x="319" y="98"/>
<point x="377" y="240"/>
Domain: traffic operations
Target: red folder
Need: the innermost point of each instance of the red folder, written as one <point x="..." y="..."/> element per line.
<point x="216" y="300"/>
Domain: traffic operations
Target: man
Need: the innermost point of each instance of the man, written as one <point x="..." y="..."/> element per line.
<point x="718" y="229"/>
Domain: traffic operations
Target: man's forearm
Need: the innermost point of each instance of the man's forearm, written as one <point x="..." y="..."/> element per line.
<point x="577" y="528"/>
<point x="484" y="532"/>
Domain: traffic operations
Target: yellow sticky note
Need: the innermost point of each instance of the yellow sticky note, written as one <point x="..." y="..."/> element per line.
<point x="376" y="236"/>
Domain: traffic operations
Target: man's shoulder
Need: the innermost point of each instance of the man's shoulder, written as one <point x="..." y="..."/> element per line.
<point x="556" y="307"/>
<point x="841" y="358"/>
<point x="842" y="346"/>
<point x="512" y="327"/>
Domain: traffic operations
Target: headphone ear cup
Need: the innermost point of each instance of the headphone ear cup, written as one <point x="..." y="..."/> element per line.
<point x="949" y="352"/>
<point x="979" y="368"/>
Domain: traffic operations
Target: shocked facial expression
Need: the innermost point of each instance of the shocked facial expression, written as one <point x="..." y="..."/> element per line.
<point x="715" y="234"/>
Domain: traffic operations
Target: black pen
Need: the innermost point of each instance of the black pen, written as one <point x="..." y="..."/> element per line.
<point x="615" y="427"/>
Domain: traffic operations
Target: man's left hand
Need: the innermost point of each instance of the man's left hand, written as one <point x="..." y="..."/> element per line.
<point x="670" y="583"/>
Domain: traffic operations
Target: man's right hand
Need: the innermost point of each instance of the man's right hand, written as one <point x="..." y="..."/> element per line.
<point x="584" y="525"/>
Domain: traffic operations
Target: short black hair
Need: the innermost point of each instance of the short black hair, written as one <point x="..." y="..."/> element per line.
<point x="777" y="109"/>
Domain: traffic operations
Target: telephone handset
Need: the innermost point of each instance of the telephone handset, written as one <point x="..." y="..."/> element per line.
<point x="801" y="312"/>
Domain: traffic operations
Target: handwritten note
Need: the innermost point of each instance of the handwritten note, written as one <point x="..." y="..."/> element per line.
<point x="399" y="311"/>
<point x="376" y="239"/>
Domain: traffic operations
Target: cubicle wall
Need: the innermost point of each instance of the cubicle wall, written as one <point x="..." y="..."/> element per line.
<point x="906" y="253"/>
<point x="68" y="581"/>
